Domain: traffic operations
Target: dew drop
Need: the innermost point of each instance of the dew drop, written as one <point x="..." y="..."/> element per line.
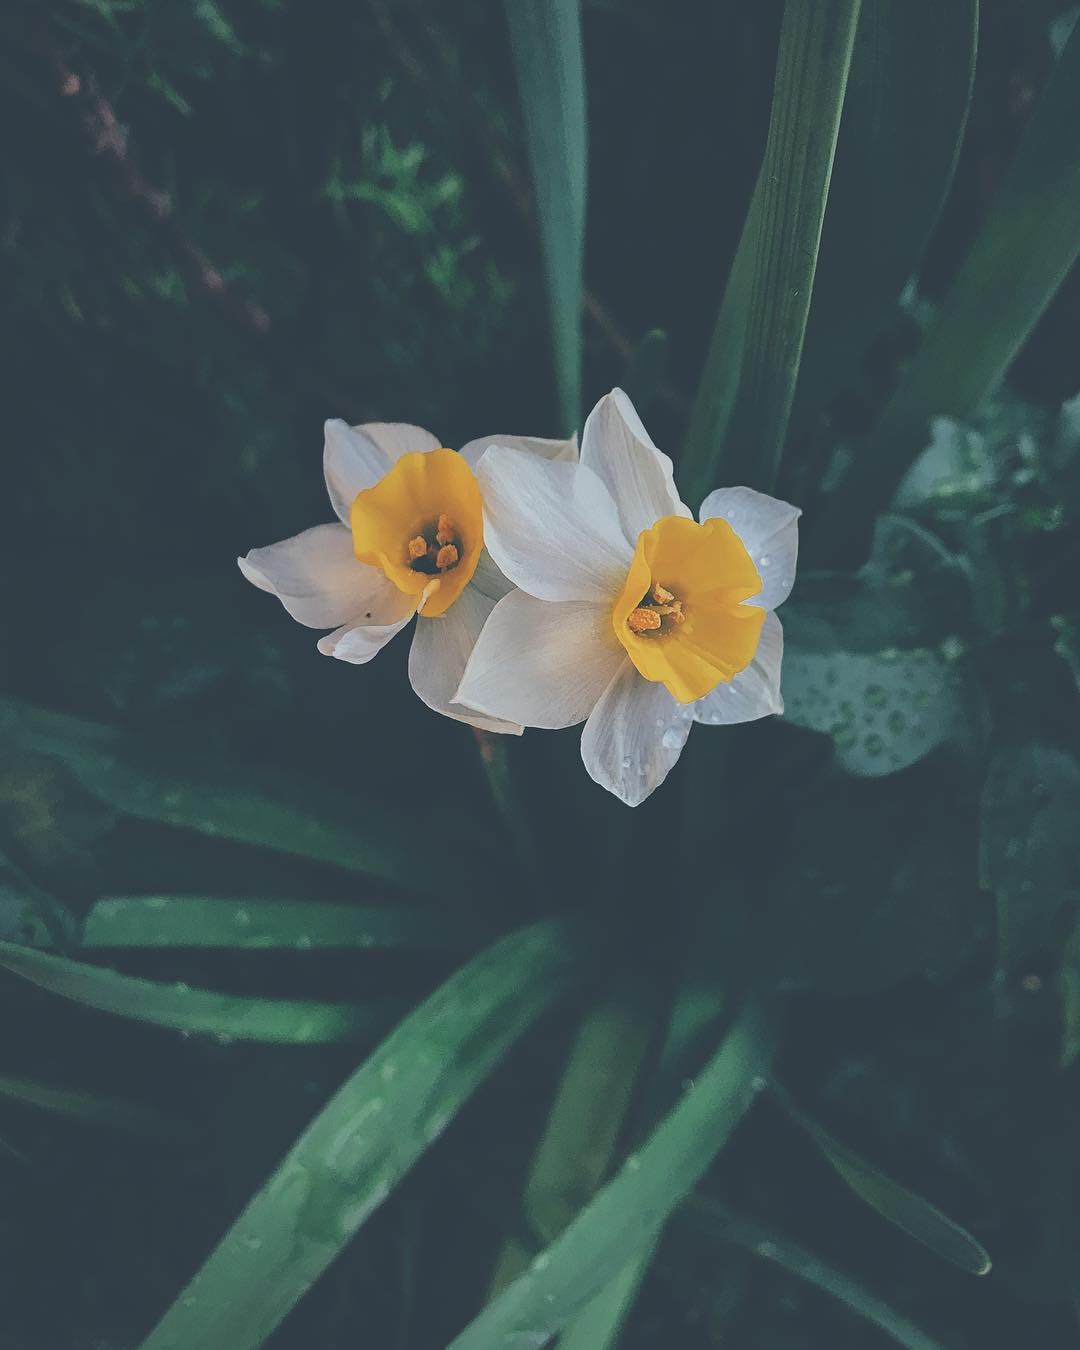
<point x="875" y="695"/>
<point x="626" y="761"/>
<point x="764" y="560"/>
<point x="873" y="744"/>
<point x="671" y="740"/>
<point x="303" y="942"/>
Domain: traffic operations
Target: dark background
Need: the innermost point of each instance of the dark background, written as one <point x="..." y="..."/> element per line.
<point x="224" y="223"/>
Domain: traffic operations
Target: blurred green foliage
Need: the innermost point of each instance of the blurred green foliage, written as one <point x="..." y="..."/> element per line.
<point x="223" y="223"/>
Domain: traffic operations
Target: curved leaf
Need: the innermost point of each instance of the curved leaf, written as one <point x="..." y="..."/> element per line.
<point x="718" y="1221"/>
<point x="910" y="1212"/>
<point x="261" y="925"/>
<point x="624" y="1218"/>
<point x="1025" y="249"/>
<point x="78" y="1104"/>
<point x="193" y="1010"/>
<point x="172" y="786"/>
<point x="365" y="1140"/>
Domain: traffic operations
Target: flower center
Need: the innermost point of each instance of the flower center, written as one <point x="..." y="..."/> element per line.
<point x="659" y="612"/>
<point x="437" y="549"/>
<point x="422" y="525"/>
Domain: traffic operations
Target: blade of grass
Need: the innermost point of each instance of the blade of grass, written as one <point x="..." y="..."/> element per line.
<point x="625" y="1217"/>
<point x="1024" y="250"/>
<point x="86" y="1106"/>
<point x="584" y="1123"/>
<point x="260" y="925"/>
<point x="709" y="1217"/>
<point x="172" y="786"/>
<point x="748" y="385"/>
<point x="909" y="1212"/>
<point x="365" y="1140"/>
<point x="546" y="44"/>
<point x="904" y="115"/>
<point x="183" y="1008"/>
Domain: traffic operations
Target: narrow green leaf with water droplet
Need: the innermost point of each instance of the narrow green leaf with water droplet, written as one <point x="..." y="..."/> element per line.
<point x="910" y="1212"/>
<point x="260" y="925"/>
<point x="183" y="1008"/>
<point x="365" y="1140"/>
<point x="170" y="785"/>
<point x="624" y="1218"/>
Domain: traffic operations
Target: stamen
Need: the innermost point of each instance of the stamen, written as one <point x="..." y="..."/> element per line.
<point x="446" y="557"/>
<point x="658" y="612"/>
<point x="444" y="530"/>
<point x="418" y="548"/>
<point x="643" y="620"/>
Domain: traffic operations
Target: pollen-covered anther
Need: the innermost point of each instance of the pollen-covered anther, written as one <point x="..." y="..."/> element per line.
<point x="660" y="595"/>
<point x="446" y="557"/>
<point x="643" y="620"/>
<point x="444" y="530"/>
<point x="418" y="548"/>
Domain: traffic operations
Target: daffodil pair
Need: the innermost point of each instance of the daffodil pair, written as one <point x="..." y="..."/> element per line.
<point x="549" y="588"/>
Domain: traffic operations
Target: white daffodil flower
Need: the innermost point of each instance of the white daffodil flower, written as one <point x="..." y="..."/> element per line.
<point x="630" y="615"/>
<point x="409" y="540"/>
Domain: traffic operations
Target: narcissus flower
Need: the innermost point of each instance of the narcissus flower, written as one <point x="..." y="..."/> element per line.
<point x="409" y="540"/>
<point x="630" y="615"/>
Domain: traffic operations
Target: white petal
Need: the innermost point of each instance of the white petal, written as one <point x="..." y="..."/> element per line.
<point x="489" y="580"/>
<point x="355" y="458"/>
<point x="440" y="650"/>
<point x="755" y="691"/>
<point x="542" y="664"/>
<point x="317" y="578"/>
<point x="619" y="450"/>
<point x="552" y="528"/>
<point x="769" y="529"/>
<point x="563" y="451"/>
<point x="357" y="643"/>
<point x="634" y="736"/>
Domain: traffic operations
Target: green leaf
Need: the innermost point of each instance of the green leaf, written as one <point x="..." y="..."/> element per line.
<point x="706" y="1216"/>
<point x="260" y="925"/>
<point x="748" y="385"/>
<point x="627" y="1214"/>
<point x="546" y="42"/>
<point x="80" y="1105"/>
<point x="586" y="1119"/>
<point x="1029" y="850"/>
<point x="884" y="710"/>
<point x="172" y="786"/>
<point x="895" y="158"/>
<point x="645" y="369"/>
<point x="192" y="1010"/>
<point x="909" y="1212"/>
<point x="365" y="1140"/>
<point x="1025" y="249"/>
<point x="600" y="1323"/>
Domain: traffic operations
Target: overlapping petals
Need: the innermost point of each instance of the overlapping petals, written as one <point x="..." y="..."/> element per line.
<point x="354" y="583"/>
<point x="589" y="545"/>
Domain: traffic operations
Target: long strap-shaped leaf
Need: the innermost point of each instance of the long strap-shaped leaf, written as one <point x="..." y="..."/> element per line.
<point x="183" y="1008"/>
<point x="715" y="1220"/>
<point x="910" y="1212"/>
<point x="904" y="116"/>
<point x="365" y="1140"/>
<point x="748" y="384"/>
<point x="146" y="921"/>
<point x="169" y="785"/>
<point x="1025" y="249"/>
<point x="626" y="1215"/>
<point x="545" y="36"/>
